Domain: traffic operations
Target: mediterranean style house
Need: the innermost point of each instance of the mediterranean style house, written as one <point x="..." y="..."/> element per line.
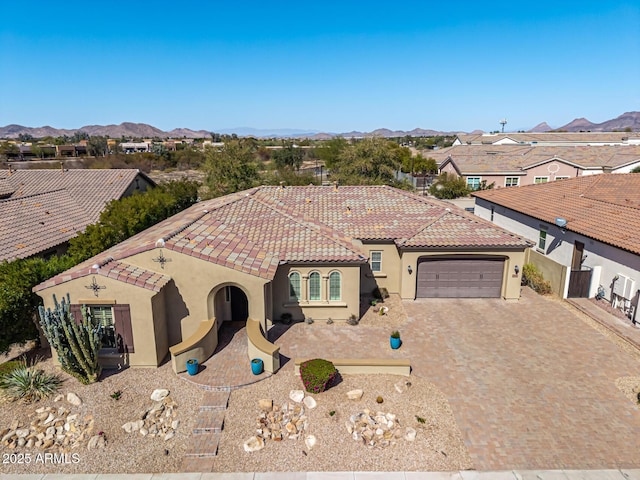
<point x="266" y="253"/>
<point x="586" y="232"/>
<point x="41" y="210"/>
<point x="518" y="165"/>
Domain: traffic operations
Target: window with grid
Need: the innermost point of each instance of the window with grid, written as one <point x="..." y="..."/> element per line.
<point x="294" y="286"/>
<point x="335" y="286"/>
<point x="376" y="261"/>
<point x="542" y="240"/>
<point x="540" y="179"/>
<point x="102" y="317"/>
<point x="512" y="181"/>
<point x="314" y="286"/>
<point x="561" y="177"/>
<point x="473" y="183"/>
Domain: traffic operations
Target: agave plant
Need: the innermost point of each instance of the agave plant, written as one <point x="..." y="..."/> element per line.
<point x="28" y="383"/>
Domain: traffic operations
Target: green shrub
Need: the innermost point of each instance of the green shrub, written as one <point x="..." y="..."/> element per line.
<point x="395" y="334"/>
<point x="28" y="383"/>
<point x="532" y="277"/>
<point x="9" y="366"/>
<point x="317" y="374"/>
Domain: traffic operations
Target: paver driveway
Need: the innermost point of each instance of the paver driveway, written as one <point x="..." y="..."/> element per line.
<point x="530" y="384"/>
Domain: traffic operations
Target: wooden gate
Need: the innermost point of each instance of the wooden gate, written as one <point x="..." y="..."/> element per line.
<point x="579" y="282"/>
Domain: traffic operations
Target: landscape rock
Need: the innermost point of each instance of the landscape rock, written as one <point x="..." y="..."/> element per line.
<point x="169" y="435"/>
<point x="296" y="395"/>
<point x="159" y="394"/>
<point x="73" y="399"/>
<point x="355" y="394"/>
<point x="379" y="430"/>
<point x="96" y="442"/>
<point x="254" y="444"/>
<point x="265" y="404"/>
<point x="309" y="402"/>
<point x="310" y="441"/>
<point x="410" y="434"/>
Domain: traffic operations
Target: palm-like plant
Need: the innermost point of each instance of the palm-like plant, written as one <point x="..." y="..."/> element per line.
<point x="28" y="383"/>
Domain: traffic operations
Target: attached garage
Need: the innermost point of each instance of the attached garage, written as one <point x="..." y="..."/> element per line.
<point x="460" y="277"/>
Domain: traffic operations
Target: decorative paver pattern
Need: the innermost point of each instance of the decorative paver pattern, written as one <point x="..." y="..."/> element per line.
<point x="531" y="385"/>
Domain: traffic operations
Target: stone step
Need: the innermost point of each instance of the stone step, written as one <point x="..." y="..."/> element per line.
<point x="197" y="464"/>
<point x="203" y="445"/>
<point x="214" y="401"/>
<point x="209" y="421"/>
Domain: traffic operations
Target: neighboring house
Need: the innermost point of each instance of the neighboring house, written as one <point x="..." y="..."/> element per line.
<point x="589" y="227"/>
<point x="518" y="165"/>
<point x="41" y="210"/>
<point x="550" y="138"/>
<point x="270" y="251"/>
<point x="136" y="147"/>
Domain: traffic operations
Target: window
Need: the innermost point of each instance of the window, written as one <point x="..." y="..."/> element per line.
<point x="294" y="286"/>
<point x="540" y="179"/>
<point x="314" y="286"/>
<point x="376" y="261"/>
<point x="562" y="177"/>
<point x="102" y="317"/>
<point x="473" y="183"/>
<point x="542" y="239"/>
<point x="512" y="181"/>
<point x="335" y="286"/>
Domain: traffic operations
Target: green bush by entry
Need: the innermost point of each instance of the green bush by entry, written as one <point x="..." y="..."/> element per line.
<point x="317" y="374"/>
<point x="532" y="277"/>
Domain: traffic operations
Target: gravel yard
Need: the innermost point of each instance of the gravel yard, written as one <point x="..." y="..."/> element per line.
<point x="124" y="452"/>
<point x="438" y="445"/>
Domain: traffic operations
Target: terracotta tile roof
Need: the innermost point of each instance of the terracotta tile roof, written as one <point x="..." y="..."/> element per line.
<point x="603" y="207"/>
<point x="35" y="223"/>
<point x="549" y="137"/>
<point x="116" y="270"/>
<point x="456" y="230"/>
<point x="256" y="230"/>
<point x="90" y="188"/>
<point x="485" y="159"/>
<point x="67" y="202"/>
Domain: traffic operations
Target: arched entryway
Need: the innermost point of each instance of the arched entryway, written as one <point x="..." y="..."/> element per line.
<point x="231" y="304"/>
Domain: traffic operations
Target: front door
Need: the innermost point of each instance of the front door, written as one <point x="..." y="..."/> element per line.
<point x="239" y="305"/>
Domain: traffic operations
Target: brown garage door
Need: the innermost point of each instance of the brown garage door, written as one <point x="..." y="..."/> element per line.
<point x="466" y="277"/>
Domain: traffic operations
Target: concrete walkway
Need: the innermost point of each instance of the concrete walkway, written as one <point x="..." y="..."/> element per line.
<point x="464" y="475"/>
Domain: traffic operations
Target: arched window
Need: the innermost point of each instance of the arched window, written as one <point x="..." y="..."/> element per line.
<point x="294" y="286"/>
<point x="335" y="286"/>
<point x="314" y="286"/>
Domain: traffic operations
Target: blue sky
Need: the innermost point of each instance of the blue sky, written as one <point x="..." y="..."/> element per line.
<point x="322" y="66"/>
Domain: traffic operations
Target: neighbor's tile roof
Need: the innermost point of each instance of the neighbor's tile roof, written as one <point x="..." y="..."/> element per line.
<point x="35" y="223"/>
<point x="486" y="159"/>
<point x="65" y="201"/>
<point x="603" y="207"/>
<point x="549" y="137"/>
<point x="256" y="230"/>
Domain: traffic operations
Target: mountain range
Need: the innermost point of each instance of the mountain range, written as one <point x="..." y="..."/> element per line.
<point x="142" y="130"/>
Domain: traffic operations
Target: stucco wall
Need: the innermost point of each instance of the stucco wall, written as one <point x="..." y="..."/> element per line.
<point x="323" y="309"/>
<point x="139" y="300"/>
<point x="551" y="270"/>
<point x="559" y="246"/>
<point x="389" y="277"/>
<point x="552" y="170"/>
<point x="197" y="281"/>
<point x="510" y="281"/>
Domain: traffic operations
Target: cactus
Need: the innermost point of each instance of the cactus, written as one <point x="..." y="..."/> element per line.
<point x="76" y="343"/>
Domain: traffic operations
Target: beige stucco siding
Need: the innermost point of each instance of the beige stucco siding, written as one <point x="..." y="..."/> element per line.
<point x="139" y="301"/>
<point x="348" y="305"/>
<point x="389" y="276"/>
<point x="196" y="283"/>
<point x="510" y="283"/>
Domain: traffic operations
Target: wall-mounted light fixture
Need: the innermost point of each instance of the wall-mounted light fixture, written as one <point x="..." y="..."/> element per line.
<point x="516" y="269"/>
<point x="409" y="269"/>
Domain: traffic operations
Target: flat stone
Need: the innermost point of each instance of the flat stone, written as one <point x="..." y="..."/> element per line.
<point x="73" y="399"/>
<point x="296" y="395"/>
<point x="265" y="404"/>
<point x="159" y="394"/>
<point x="175" y="424"/>
<point x="253" y="444"/>
<point x="169" y="435"/>
<point x="310" y="441"/>
<point x="58" y="398"/>
<point x="410" y="434"/>
<point x="22" y="432"/>
<point x="355" y="394"/>
<point x="309" y="402"/>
